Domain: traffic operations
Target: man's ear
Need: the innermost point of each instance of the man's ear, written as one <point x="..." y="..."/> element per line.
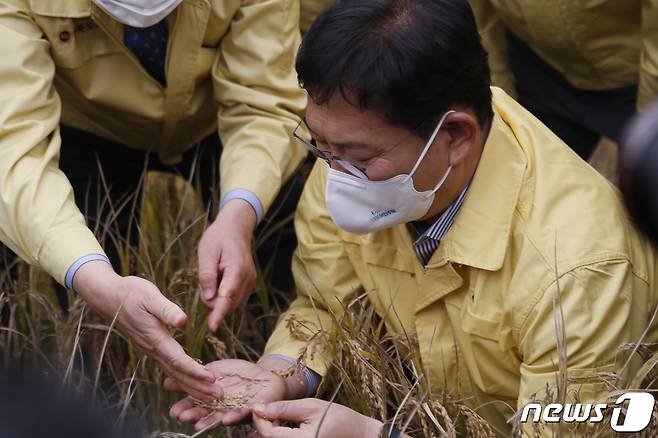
<point x="463" y="129"/>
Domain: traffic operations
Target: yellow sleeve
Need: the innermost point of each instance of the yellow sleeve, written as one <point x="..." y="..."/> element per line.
<point x="310" y="9"/>
<point x="38" y="216"/>
<point x="260" y="101"/>
<point x="604" y="306"/>
<point x="648" y="88"/>
<point x="492" y="31"/>
<point x="324" y="277"/>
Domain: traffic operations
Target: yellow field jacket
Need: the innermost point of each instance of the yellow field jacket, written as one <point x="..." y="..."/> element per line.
<point x="482" y="309"/>
<point x="229" y="67"/>
<point x="310" y="9"/>
<point x="594" y="44"/>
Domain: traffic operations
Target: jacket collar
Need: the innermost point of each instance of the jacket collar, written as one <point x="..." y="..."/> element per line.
<point x="62" y="8"/>
<point x="480" y="234"/>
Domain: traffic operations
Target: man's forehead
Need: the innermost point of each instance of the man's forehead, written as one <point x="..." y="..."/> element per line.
<point x="340" y="121"/>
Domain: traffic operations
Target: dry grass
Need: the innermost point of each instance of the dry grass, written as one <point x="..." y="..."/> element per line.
<point x="373" y="371"/>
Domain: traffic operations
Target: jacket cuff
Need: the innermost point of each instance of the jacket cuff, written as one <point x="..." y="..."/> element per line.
<point x="245" y="195"/>
<point x="62" y="247"/>
<point x="311" y="378"/>
<point x="70" y="274"/>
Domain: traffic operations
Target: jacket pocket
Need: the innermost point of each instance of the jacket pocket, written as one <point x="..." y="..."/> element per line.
<point x="483" y="325"/>
<point x="74" y="37"/>
<point x="388" y="277"/>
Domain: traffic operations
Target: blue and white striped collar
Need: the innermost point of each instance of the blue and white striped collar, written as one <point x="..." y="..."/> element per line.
<point x="428" y="241"/>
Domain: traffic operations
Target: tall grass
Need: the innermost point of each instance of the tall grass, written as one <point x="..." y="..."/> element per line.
<point x="89" y="354"/>
<point x="373" y="372"/>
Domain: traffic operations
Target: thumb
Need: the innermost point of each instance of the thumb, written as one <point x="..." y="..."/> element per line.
<point x="296" y="411"/>
<point x="168" y="312"/>
<point x="208" y="266"/>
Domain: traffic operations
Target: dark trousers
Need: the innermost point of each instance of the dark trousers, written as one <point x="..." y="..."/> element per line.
<point x="579" y="117"/>
<point x="107" y="178"/>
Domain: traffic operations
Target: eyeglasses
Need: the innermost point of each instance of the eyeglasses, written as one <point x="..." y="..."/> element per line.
<point x="352" y="168"/>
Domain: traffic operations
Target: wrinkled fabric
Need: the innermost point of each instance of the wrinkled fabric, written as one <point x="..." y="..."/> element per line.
<point x="535" y="216"/>
<point x="594" y="44"/>
<point x="310" y="9"/>
<point x="229" y="67"/>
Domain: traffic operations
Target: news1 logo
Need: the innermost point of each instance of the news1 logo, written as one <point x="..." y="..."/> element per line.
<point x="637" y="416"/>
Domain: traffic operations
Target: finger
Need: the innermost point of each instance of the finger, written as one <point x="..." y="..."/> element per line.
<point x="181" y="406"/>
<point x="193" y="415"/>
<point x="223" y="306"/>
<point x="237" y="416"/>
<point x="262" y="425"/>
<point x="209" y="422"/>
<point x="208" y="267"/>
<point x="296" y="411"/>
<point x="171" y="384"/>
<point x="169" y="313"/>
<point x="227" y="298"/>
<point x="223" y="418"/>
<point x="271" y="430"/>
<point x="171" y="356"/>
<point x="201" y="393"/>
<point x="201" y="389"/>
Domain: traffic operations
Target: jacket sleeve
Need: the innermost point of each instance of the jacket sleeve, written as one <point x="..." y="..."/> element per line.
<point x="648" y="88"/>
<point x="492" y="32"/>
<point x="310" y="9"/>
<point x="260" y="101"/>
<point x="38" y="216"/>
<point x="324" y="277"/>
<point x="604" y="307"/>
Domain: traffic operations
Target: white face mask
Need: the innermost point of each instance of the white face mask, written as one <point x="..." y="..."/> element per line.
<point x="361" y="206"/>
<point x="138" y="13"/>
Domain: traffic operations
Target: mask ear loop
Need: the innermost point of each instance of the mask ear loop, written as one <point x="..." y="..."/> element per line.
<point x="427" y="148"/>
<point x="438" y="186"/>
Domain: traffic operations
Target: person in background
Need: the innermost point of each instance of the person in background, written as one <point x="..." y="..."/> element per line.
<point x="35" y="404"/>
<point x="444" y="203"/>
<point x="583" y="68"/>
<point x="309" y="11"/>
<point x="94" y="92"/>
<point x="638" y="162"/>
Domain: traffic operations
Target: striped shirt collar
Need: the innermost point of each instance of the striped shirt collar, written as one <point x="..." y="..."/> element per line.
<point x="428" y="241"/>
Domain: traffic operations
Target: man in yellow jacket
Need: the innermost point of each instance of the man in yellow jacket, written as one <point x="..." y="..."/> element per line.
<point x="108" y="88"/>
<point x="581" y="67"/>
<point x="458" y="214"/>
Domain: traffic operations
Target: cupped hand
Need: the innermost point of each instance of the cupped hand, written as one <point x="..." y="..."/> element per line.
<point x="243" y="384"/>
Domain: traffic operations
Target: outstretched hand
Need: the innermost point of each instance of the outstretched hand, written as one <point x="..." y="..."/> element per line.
<point x="142" y="313"/>
<point x="314" y="418"/>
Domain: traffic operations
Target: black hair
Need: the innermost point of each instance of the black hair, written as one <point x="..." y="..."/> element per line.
<point x="34" y="404"/>
<point x="408" y="60"/>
